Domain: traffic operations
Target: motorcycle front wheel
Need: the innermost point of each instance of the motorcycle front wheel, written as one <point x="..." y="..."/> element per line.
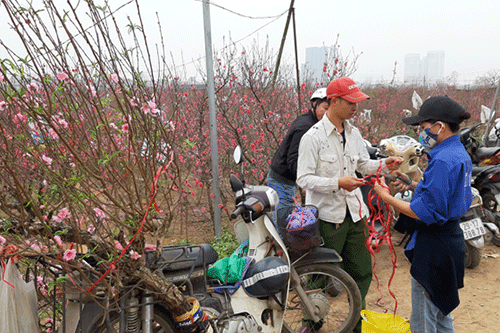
<point x="472" y="255"/>
<point x="161" y="324"/>
<point x="333" y="293"/>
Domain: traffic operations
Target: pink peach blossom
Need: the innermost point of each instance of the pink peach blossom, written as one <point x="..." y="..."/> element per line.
<point x="47" y="159"/>
<point x="134" y="255"/>
<point x="58" y="240"/>
<point x="62" y="76"/>
<point x="118" y="245"/>
<point x="69" y="254"/>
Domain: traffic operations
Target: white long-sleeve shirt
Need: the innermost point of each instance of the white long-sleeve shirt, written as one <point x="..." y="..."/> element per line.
<point x="323" y="160"/>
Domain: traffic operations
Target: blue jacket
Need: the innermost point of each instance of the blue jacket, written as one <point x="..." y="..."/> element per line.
<point x="437" y="249"/>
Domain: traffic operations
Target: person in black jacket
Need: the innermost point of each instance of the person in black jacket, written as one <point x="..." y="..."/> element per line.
<point x="283" y="171"/>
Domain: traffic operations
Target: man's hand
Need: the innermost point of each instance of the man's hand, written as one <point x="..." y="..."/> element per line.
<point x="350" y="183"/>
<point x="394" y="162"/>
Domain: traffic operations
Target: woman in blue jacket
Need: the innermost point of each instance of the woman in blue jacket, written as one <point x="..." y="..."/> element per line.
<point x="437" y="249"/>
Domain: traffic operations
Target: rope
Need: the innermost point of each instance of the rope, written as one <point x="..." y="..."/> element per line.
<point x="374" y="239"/>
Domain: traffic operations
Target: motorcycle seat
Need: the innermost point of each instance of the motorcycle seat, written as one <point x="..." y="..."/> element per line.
<point x="485" y="152"/>
<point x="182" y="257"/>
<point x="476" y="170"/>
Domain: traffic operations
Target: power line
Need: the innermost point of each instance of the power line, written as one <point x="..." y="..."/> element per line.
<point x="239" y="40"/>
<point x="242" y="15"/>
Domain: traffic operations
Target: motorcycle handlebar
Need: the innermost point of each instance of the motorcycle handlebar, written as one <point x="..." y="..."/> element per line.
<point x="237" y="212"/>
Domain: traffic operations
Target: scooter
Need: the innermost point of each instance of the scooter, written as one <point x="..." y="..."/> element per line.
<point x="480" y="156"/>
<point x="474" y="230"/>
<point x="485" y="178"/>
<point x="282" y="288"/>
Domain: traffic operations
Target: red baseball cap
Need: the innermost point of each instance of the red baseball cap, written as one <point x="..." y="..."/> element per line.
<point x="347" y="89"/>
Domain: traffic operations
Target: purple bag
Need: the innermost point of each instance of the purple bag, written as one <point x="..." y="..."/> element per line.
<point x="302" y="230"/>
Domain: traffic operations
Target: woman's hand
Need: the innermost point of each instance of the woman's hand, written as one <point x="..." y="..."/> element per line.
<point x="403" y="182"/>
<point x="382" y="191"/>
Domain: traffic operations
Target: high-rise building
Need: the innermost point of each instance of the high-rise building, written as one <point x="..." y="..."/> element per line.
<point x="316" y="59"/>
<point x="434" y="66"/>
<point x="428" y="69"/>
<point x="413" y="68"/>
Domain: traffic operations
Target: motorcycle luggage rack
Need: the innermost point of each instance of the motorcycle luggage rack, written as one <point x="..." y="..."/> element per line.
<point x="48" y="279"/>
<point x="184" y="265"/>
<point x="54" y="290"/>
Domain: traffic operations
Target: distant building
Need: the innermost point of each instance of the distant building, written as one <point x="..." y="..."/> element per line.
<point x="429" y="69"/>
<point x="434" y="66"/>
<point x="316" y="59"/>
<point x="413" y="68"/>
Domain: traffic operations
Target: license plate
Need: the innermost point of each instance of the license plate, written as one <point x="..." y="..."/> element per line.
<point x="472" y="228"/>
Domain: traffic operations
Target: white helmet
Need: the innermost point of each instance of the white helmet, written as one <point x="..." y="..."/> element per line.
<point x="318" y="94"/>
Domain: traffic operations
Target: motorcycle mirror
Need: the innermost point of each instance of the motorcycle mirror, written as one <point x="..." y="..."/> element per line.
<point x="237" y="155"/>
<point x="236" y="183"/>
<point x="238" y="159"/>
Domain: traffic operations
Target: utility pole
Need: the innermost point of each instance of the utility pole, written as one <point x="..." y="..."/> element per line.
<point x="213" y="118"/>
<point x="296" y="63"/>
<point x="280" y="52"/>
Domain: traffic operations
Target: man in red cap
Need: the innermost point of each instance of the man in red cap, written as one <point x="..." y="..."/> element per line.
<point x="329" y="155"/>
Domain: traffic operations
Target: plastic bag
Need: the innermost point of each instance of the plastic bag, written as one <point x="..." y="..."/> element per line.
<point x="374" y="322"/>
<point x="18" y="302"/>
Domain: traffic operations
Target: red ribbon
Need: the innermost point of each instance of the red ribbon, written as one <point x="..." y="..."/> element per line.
<point x="374" y="239"/>
<point x="3" y="273"/>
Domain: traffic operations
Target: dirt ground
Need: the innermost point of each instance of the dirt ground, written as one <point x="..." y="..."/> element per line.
<point x="479" y="299"/>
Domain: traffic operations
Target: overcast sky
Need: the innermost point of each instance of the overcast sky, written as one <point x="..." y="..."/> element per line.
<point x="382" y="30"/>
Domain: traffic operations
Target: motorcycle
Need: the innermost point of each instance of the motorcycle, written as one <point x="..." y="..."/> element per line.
<point x="485" y="178"/>
<point x="282" y="289"/>
<point x="480" y="156"/>
<point x="474" y="230"/>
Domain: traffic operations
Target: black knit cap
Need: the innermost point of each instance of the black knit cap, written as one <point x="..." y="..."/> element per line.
<point x="437" y="108"/>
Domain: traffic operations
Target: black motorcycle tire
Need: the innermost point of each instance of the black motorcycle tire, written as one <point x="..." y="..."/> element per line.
<point x="495" y="240"/>
<point x="339" y="312"/>
<point x="162" y="323"/>
<point x="472" y="256"/>
<point x="489" y="201"/>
